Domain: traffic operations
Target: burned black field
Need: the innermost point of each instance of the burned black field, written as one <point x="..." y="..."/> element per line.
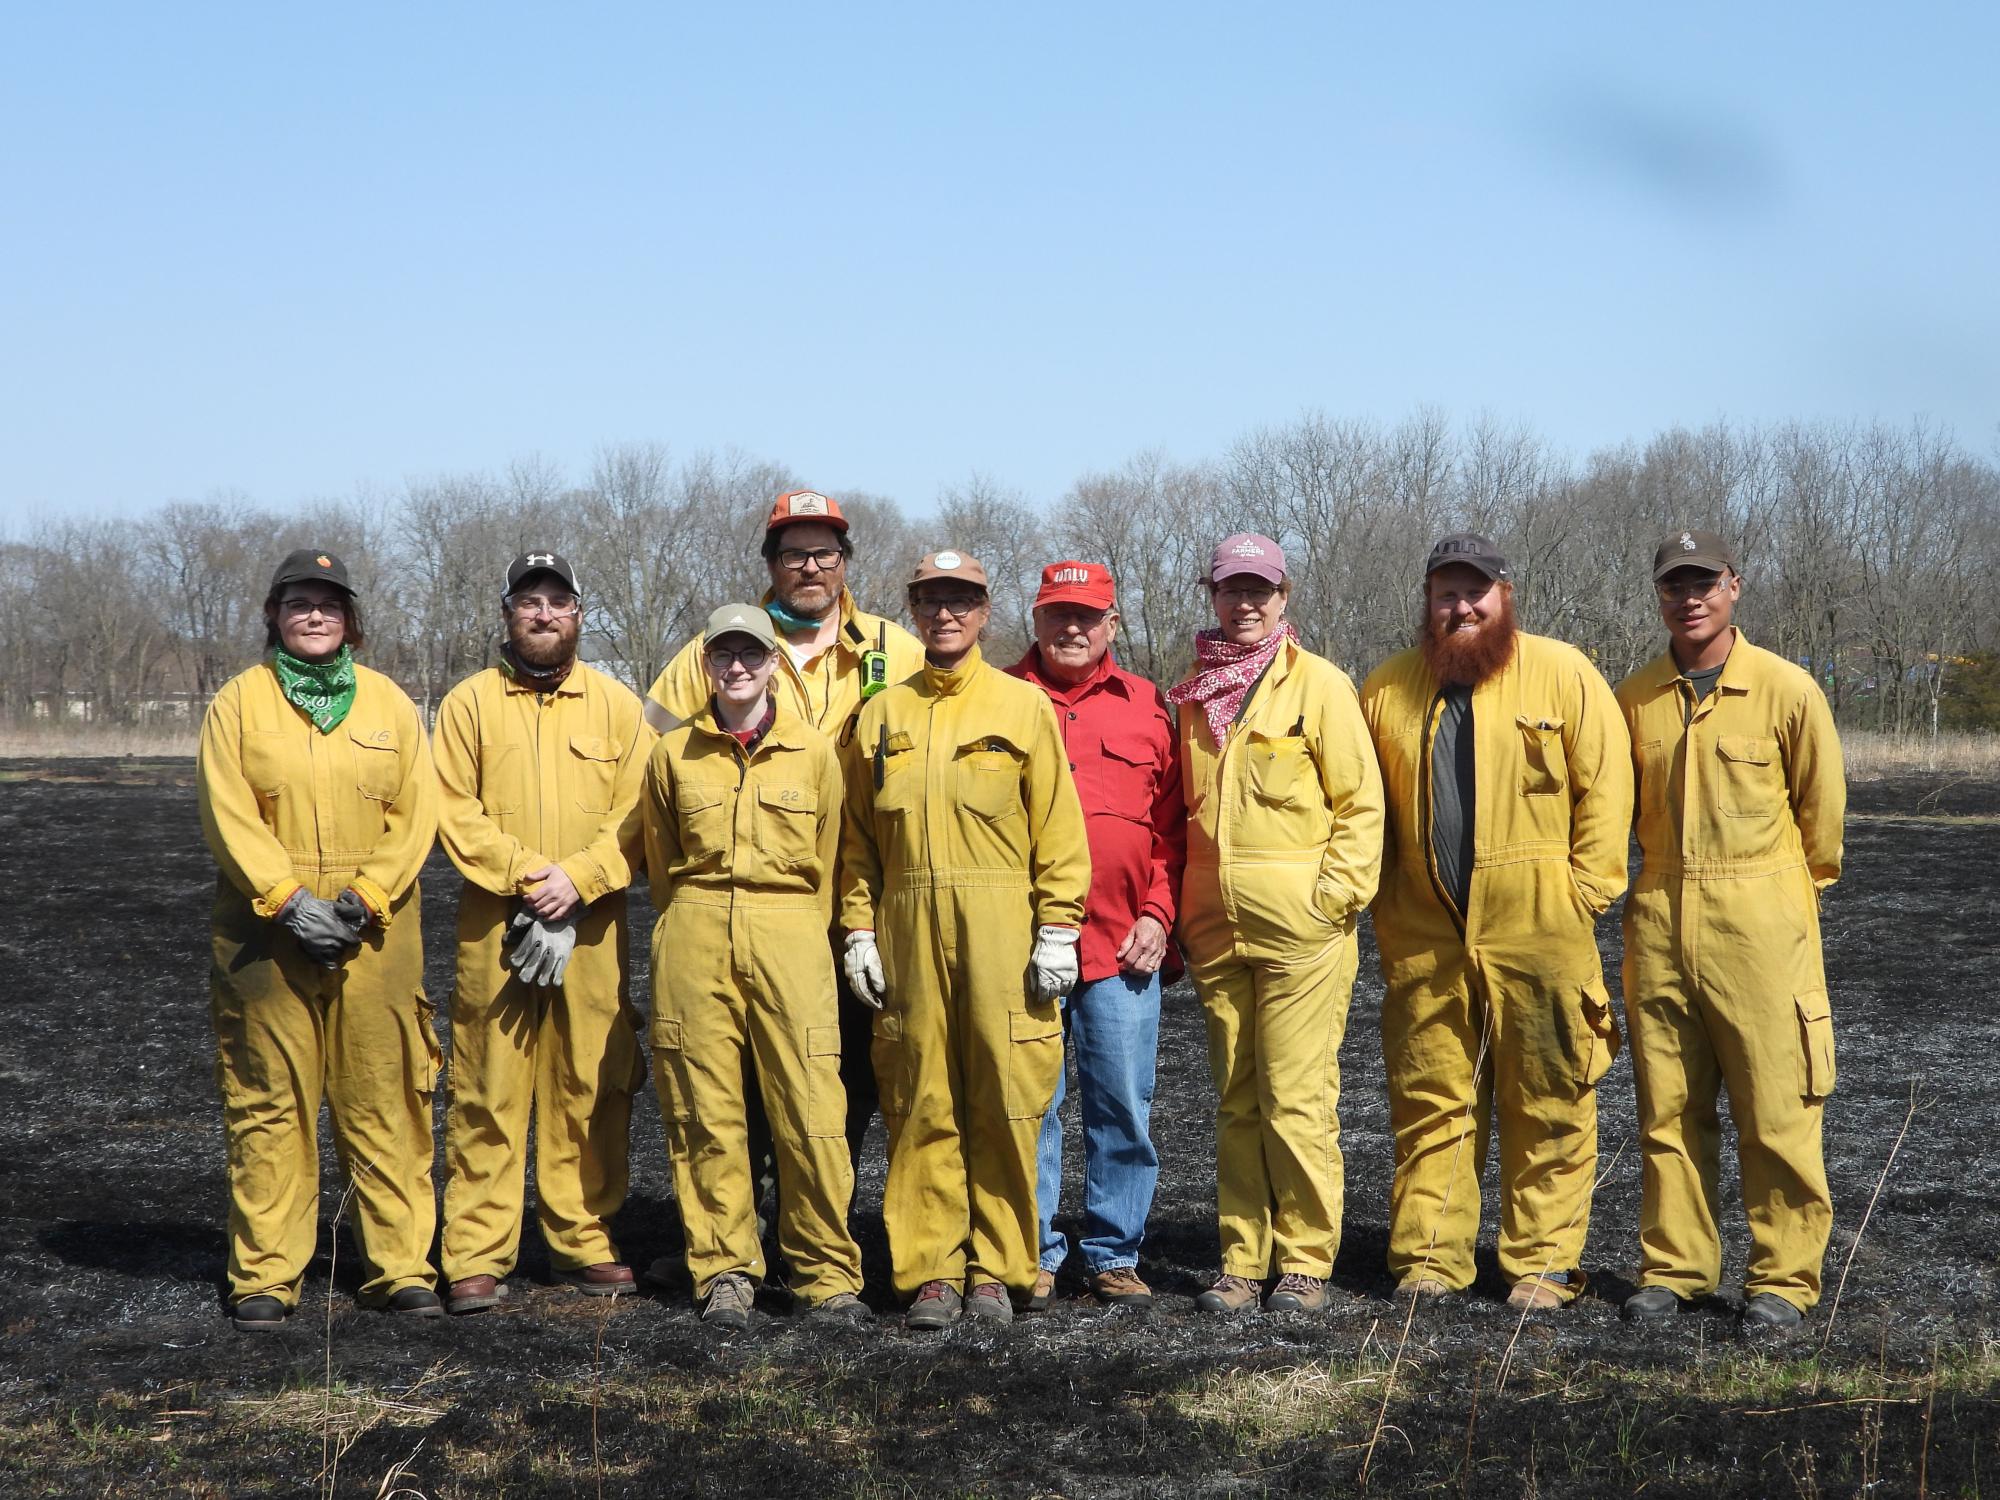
<point x="121" y="1376"/>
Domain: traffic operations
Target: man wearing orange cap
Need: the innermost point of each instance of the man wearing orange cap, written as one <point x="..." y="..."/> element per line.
<point x="832" y="657"/>
<point x="1121" y="744"/>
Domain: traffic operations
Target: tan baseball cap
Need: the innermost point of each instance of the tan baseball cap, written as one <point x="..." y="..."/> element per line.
<point x="741" y="619"/>
<point x="961" y="566"/>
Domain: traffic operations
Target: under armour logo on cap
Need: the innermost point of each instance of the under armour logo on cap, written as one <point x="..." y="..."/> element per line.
<point x="530" y="563"/>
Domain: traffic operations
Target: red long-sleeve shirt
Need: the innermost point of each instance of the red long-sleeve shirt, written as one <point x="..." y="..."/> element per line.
<point x="1126" y="759"/>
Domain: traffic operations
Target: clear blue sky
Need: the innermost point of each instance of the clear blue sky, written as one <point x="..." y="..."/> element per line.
<point x="294" y="249"/>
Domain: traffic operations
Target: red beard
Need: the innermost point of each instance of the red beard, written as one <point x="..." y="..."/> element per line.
<point x="1468" y="658"/>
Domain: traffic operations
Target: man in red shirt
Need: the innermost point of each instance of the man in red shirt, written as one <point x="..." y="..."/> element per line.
<point x="1122" y="749"/>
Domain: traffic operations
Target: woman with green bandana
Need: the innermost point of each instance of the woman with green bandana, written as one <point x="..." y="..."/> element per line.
<point x="319" y="804"/>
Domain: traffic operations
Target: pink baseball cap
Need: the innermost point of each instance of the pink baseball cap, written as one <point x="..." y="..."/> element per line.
<point x="1247" y="552"/>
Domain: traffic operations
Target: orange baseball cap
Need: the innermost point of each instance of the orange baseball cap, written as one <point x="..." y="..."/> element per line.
<point x="1088" y="584"/>
<point x="806" y="505"/>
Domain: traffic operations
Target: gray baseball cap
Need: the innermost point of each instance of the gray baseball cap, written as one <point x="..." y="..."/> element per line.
<point x="741" y="619"/>
<point x="1470" y="548"/>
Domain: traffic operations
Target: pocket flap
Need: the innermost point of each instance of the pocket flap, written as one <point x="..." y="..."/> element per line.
<point x="666" y="1036"/>
<point x="1745" y="749"/>
<point x="383" y="738"/>
<point x="693" y="796"/>
<point x="798" y="799"/>
<point x="822" y="1041"/>
<point x="1033" y="1026"/>
<point x="1133" y="750"/>
<point x="1541" y="729"/>
<point x="593" y="747"/>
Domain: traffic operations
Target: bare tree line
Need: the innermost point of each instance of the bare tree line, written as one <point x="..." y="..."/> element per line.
<point x="1863" y="547"/>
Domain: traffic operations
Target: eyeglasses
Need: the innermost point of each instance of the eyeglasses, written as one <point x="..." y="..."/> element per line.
<point x="1245" y="593"/>
<point x="825" y="559"/>
<point x="535" y="604"/>
<point x="961" y="605"/>
<point x="1680" y="593"/>
<point x="752" y="657"/>
<point x="300" y="609"/>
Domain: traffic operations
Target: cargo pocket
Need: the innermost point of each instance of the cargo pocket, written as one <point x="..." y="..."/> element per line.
<point x="426" y="1056"/>
<point x="1544" y="765"/>
<point x="826" y="1099"/>
<point x="892" y="1074"/>
<point x="1592" y="1033"/>
<point x="670" y="1072"/>
<point x="1816" y="1044"/>
<point x="1034" y="1056"/>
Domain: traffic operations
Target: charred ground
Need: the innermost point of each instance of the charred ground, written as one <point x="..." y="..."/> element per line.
<point x="122" y="1378"/>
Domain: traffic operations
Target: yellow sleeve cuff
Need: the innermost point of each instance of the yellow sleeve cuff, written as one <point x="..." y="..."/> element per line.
<point x="373" y="897"/>
<point x="273" y="901"/>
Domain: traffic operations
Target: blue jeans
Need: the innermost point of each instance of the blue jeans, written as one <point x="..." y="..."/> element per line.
<point x="1113" y="1028"/>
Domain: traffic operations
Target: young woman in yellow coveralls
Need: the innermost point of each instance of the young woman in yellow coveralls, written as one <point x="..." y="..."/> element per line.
<point x="318" y="802"/>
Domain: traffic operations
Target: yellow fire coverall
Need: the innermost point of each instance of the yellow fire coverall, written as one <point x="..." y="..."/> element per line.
<point x="525" y="779"/>
<point x="1284" y="850"/>
<point x="1499" y="1010"/>
<point x="825" y="692"/>
<point x="1739" y="821"/>
<point x="740" y="850"/>
<point x="973" y="839"/>
<point x="284" y="806"/>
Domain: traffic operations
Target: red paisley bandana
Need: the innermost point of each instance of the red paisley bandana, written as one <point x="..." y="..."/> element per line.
<point x="1224" y="674"/>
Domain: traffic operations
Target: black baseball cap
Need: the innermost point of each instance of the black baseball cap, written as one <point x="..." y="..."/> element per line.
<point x="1470" y="548"/>
<point x="311" y="564"/>
<point x="528" y="564"/>
<point x="1692" y="549"/>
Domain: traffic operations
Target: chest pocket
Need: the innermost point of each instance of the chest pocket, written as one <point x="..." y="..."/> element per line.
<point x="989" y="779"/>
<point x="1544" y="763"/>
<point x="1284" y="809"/>
<point x="701" y="813"/>
<point x="786" y="824"/>
<point x="378" y="769"/>
<point x="264" y="761"/>
<point x="1752" y="781"/>
<point x="593" y="771"/>
<point x="1122" y="782"/>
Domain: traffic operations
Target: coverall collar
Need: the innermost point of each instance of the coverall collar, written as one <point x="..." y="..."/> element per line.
<point x="847" y="610"/>
<point x="1662" y="672"/>
<point x="944" y="682"/>
<point x="784" y="733"/>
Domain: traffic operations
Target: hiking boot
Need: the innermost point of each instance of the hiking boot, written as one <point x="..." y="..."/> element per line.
<point x="1121" y="1287"/>
<point x="1044" y="1293"/>
<point x="936" y="1305"/>
<point x="1421" y="1289"/>
<point x="474" y="1294"/>
<point x="727" y="1308"/>
<point x="663" y="1273"/>
<point x="258" y="1314"/>
<point x="989" y="1301"/>
<point x="1769" y="1316"/>
<point x="841" y="1307"/>
<point x="1542" y="1293"/>
<point x="608" y="1278"/>
<point x="1230" y="1294"/>
<point x="1296" y="1293"/>
<point x="1651" y="1304"/>
<point x="415" y="1302"/>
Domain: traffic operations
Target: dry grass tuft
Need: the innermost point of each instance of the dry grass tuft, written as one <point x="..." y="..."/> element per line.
<point x="1873" y="754"/>
<point x="77" y="741"/>
<point x="1325" y="1398"/>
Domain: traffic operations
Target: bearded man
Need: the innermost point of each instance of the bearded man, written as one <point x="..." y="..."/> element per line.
<point x="1509" y="782"/>
<point x="540" y="762"/>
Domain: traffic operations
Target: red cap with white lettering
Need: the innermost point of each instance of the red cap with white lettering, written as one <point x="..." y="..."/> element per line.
<point x="1076" y="583"/>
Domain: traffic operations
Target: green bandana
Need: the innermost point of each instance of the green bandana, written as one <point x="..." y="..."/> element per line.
<point x="321" y="690"/>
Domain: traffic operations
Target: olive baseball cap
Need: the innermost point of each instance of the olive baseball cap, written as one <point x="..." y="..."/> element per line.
<point x="1692" y="549"/>
<point x="1470" y="548"/>
<point x="311" y="564"/>
<point x="741" y="619"/>
<point x="961" y="566"/>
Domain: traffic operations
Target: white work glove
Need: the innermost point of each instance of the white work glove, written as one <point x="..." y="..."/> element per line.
<point x="1052" y="968"/>
<point x="862" y="961"/>
<point x="540" y="949"/>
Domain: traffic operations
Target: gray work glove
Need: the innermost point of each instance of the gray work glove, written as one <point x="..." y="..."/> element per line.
<point x="863" y="962"/>
<point x="323" y="934"/>
<point x="540" y="949"/>
<point x="1053" y="967"/>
